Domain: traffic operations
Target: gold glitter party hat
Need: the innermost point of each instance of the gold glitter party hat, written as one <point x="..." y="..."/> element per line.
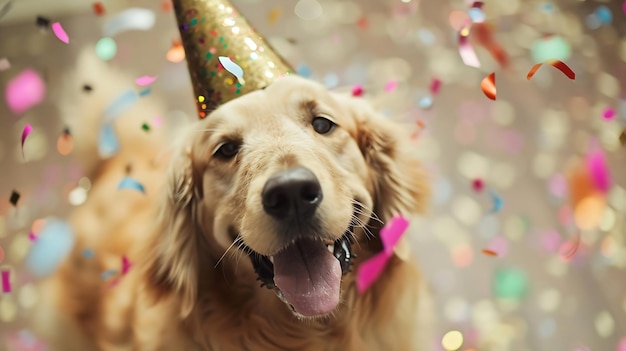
<point x="225" y="55"/>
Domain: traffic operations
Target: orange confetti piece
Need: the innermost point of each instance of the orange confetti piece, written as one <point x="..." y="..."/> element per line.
<point x="65" y="144"/>
<point x="560" y="65"/>
<point x="98" y="8"/>
<point x="274" y="15"/>
<point x="488" y="86"/>
<point x="490" y="252"/>
<point x="363" y="23"/>
<point x="166" y="6"/>
<point x="483" y="33"/>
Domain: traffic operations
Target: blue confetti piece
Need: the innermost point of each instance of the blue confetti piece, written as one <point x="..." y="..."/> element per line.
<point x="547" y="7"/>
<point x="108" y="274"/>
<point x="232" y="67"/>
<point x="130" y="183"/>
<point x="425" y="102"/>
<point x="304" y="70"/>
<point x="497" y="202"/>
<point x="604" y="15"/>
<point x="331" y="80"/>
<point x="124" y="101"/>
<point x="476" y="15"/>
<point x="88" y="253"/>
<point x="592" y="21"/>
<point x="145" y="92"/>
<point x="55" y="241"/>
<point x="108" y="145"/>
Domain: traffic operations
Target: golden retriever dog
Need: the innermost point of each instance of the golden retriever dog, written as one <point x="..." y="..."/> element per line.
<point x="269" y="206"/>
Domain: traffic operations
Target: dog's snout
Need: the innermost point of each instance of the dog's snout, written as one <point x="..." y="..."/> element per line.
<point x="294" y="193"/>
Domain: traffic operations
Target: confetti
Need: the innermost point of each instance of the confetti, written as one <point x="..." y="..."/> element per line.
<point x="370" y="270"/>
<point x="106" y="48"/>
<point x="4" y="64"/>
<point x="14" y="198"/>
<point x="274" y="15"/>
<point x="497" y="202"/>
<point x="130" y="183"/>
<point x="489" y="252"/>
<point x="25" y="133"/>
<point x="560" y="65"/>
<point x="510" y="283"/>
<point x="435" y="86"/>
<point x="364" y="23"/>
<point x="145" y="127"/>
<point x="55" y="241"/>
<point x="166" y="5"/>
<point x="130" y="19"/>
<point x="1" y="254"/>
<point x="108" y="145"/>
<point x="488" y="86"/>
<point x="6" y="282"/>
<point x="145" y="92"/>
<point x="126" y="265"/>
<point x="468" y="55"/>
<point x="145" y="80"/>
<point x="176" y="53"/>
<point x="425" y="102"/>
<point x="597" y="167"/>
<point x="108" y="274"/>
<point x="65" y="143"/>
<point x="569" y="249"/>
<point x="157" y="121"/>
<point x="88" y="253"/>
<point x="59" y="32"/>
<point x="232" y="67"/>
<point x="120" y="104"/>
<point x="98" y="8"/>
<point x="608" y="113"/>
<point x="24" y="91"/>
<point x="42" y="22"/>
<point x="391" y="86"/>
<point x="478" y="185"/>
<point x="32" y="236"/>
<point x="303" y="70"/>
<point x="357" y="90"/>
<point x="476" y="15"/>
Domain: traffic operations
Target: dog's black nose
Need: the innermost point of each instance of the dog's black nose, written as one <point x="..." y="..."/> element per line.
<point x="293" y="193"/>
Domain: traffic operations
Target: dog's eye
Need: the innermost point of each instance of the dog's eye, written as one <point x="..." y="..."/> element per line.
<point x="323" y="125"/>
<point x="227" y="151"/>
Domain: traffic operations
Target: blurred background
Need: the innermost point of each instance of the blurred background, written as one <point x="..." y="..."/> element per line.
<point x="516" y="261"/>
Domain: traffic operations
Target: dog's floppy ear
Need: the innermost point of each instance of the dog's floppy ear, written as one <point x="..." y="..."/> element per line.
<point x="399" y="182"/>
<point x="173" y="265"/>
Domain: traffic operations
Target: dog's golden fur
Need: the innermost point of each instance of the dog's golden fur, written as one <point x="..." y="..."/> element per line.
<point x="192" y="288"/>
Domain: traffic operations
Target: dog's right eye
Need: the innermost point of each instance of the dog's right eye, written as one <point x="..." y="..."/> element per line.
<point x="227" y="151"/>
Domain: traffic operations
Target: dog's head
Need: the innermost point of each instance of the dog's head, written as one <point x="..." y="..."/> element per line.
<point x="290" y="175"/>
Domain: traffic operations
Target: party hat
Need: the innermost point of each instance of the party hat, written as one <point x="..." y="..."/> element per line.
<point x="225" y="55"/>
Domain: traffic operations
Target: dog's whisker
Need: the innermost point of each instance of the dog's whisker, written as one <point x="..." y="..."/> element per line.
<point x="237" y="239"/>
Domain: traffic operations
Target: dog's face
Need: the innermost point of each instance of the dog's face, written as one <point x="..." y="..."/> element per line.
<point x="286" y="174"/>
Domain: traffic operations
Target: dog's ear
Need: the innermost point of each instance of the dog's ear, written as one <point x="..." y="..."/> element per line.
<point x="173" y="265"/>
<point x="399" y="182"/>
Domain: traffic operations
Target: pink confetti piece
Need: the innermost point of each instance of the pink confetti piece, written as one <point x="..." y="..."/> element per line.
<point x="25" y="133"/>
<point x="468" y="55"/>
<point x="157" y="121"/>
<point x="392" y="232"/>
<point x="370" y="270"/>
<point x="58" y="30"/>
<point x="357" y="90"/>
<point x="32" y="236"/>
<point x="624" y="7"/>
<point x="435" y="85"/>
<point x="145" y="80"/>
<point x="608" y="113"/>
<point x="24" y="91"/>
<point x="597" y="166"/>
<point x="6" y="282"/>
<point x="126" y="265"/>
<point x="391" y="86"/>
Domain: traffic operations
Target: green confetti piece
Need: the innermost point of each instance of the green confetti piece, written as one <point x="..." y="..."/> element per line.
<point x="145" y="127"/>
<point x="510" y="283"/>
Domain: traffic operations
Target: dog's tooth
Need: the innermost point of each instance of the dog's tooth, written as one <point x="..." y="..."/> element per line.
<point x="272" y="259"/>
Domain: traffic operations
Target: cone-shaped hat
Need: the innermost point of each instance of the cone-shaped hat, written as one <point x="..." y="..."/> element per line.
<point x="225" y="55"/>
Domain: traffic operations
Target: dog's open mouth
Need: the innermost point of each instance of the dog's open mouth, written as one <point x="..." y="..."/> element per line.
<point x="307" y="273"/>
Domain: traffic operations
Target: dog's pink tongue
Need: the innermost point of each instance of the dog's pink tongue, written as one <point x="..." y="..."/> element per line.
<point x="309" y="277"/>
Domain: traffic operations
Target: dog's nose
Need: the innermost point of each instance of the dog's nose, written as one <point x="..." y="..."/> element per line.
<point x="295" y="193"/>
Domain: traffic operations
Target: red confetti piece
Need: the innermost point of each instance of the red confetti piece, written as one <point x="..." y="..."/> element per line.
<point x="468" y="55"/>
<point x="125" y="265"/>
<point x="59" y="32"/>
<point x="435" y="85"/>
<point x="488" y="86"/>
<point x="25" y="133"/>
<point x="608" y="113"/>
<point x="570" y="249"/>
<point x="6" y="283"/>
<point x="560" y="65"/>
<point x="98" y="8"/>
<point x="363" y="23"/>
<point x="357" y="90"/>
<point x="483" y="33"/>
<point x="478" y="185"/>
<point x="490" y="252"/>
